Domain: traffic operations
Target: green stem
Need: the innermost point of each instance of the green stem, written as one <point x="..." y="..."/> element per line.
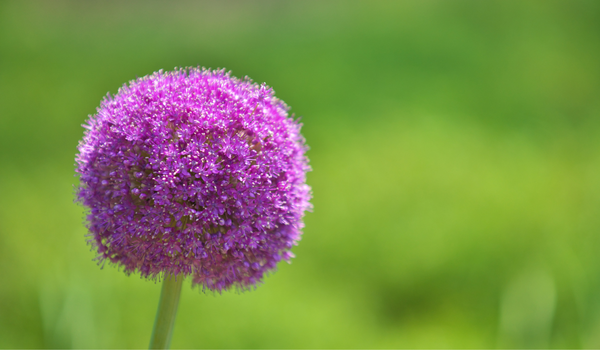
<point x="167" y="310"/>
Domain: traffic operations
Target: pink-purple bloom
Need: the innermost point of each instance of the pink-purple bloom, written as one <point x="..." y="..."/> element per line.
<point x="194" y="172"/>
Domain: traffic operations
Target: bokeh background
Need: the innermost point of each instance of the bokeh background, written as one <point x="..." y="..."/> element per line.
<point x="455" y="148"/>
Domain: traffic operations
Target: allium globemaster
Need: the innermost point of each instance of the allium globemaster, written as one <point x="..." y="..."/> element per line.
<point x="194" y="172"/>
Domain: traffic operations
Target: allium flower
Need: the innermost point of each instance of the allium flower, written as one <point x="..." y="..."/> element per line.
<point x="194" y="172"/>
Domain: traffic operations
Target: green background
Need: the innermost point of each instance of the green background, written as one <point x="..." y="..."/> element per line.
<point x="455" y="148"/>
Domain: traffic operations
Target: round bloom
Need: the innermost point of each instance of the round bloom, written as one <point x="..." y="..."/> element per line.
<point x="194" y="172"/>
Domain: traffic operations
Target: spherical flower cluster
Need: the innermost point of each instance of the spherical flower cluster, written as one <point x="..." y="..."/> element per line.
<point x="194" y="172"/>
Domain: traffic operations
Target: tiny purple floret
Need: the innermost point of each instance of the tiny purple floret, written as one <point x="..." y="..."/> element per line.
<point x="194" y="172"/>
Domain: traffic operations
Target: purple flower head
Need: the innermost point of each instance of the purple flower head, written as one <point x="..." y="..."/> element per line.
<point x="194" y="172"/>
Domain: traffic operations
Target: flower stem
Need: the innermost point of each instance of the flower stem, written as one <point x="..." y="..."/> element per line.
<point x="167" y="310"/>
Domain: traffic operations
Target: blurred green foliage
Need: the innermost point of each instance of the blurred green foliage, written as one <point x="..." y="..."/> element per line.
<point x="456" y="171"/>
